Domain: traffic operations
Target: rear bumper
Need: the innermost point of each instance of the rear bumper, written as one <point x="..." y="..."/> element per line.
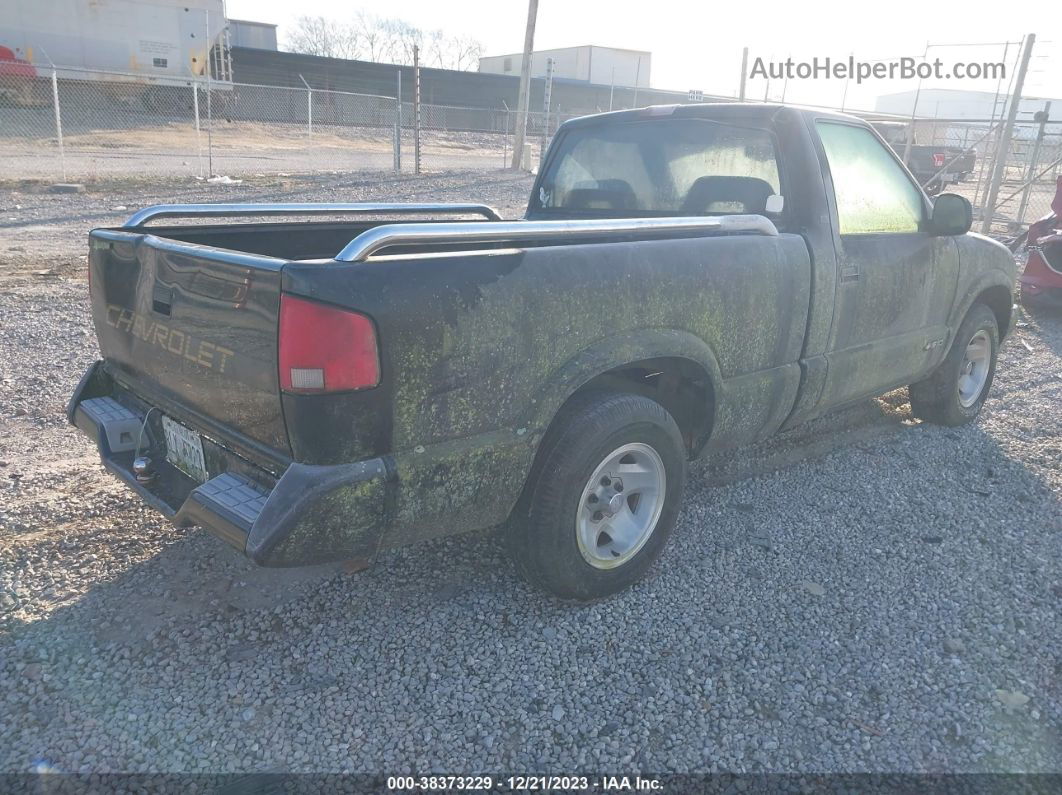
<point x="301" y="515"/>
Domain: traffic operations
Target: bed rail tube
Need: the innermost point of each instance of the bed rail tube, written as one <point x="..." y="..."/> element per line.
<point x="141" y="217"/>
<point x="380" y="237"/>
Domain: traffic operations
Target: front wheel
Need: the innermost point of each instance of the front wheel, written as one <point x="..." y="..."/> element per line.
<point x="954" y="393"/>
<point x="603" y="496"/>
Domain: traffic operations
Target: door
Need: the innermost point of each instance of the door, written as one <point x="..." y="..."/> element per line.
<point x="896" y="282"/>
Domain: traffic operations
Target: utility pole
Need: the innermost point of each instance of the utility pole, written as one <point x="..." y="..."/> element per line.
<point x="637" y="79"/>
<point x="525" y="85"/>
<point x="416" y="109"/>
<point x="744" y="72"/>
<point x="767" y="89"/>
<point x="844" y="94"/>
<point x="1000" y="166"/>
<point x="909" y="142"/>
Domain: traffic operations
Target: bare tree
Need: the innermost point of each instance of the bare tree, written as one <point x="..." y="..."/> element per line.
<point x="467" y="52"/>
<point x="322" y="36"/>
<point x="436" y="49"/>
<point x="453" y="52"/>
<point x="404" y="38"/>
<point x="374" y="39"/>
<point x="392" y="40"/>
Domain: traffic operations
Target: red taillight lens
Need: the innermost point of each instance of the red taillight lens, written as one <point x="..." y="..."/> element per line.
<point x="325" y="349"/>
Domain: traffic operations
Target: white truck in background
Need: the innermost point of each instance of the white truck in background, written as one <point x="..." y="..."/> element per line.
<point x="160" y="42"/>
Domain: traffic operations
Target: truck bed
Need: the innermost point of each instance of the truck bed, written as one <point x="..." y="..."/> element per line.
<point x="188" y="322"/>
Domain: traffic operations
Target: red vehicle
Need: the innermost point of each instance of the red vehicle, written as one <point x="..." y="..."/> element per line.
<point x="1041" y="283"/>
<point x="18" y="79"/>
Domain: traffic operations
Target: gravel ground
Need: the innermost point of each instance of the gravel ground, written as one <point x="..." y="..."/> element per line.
<point x="865" y="593"/>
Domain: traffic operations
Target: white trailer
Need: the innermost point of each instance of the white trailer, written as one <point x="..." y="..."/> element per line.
<point x="160" y="41"/>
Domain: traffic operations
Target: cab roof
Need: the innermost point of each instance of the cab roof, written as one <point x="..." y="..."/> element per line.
<point x="748" y="112"/>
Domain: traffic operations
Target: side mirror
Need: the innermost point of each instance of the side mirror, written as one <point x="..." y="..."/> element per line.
<point x="952" y="215"/>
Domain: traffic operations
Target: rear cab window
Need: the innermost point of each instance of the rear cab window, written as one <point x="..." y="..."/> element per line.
<point x="663" y="167"/>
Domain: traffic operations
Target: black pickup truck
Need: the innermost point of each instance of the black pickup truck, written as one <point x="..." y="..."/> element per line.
<point x="686" y="279"/>
<point x="935" y="166"/>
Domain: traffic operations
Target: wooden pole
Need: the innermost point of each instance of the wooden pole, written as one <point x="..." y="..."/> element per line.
<point x="744" y="73"/>
<point x="525" y="85"/>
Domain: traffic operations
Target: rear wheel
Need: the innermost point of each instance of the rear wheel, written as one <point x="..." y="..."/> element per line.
<point x="603" y="496"/>
<point x="954" y="393"/>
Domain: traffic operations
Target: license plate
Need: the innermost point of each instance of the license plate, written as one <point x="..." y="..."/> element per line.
<point x="184" y="449"/>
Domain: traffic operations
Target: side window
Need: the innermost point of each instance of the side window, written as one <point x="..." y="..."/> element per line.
<point x="873" y="192"/>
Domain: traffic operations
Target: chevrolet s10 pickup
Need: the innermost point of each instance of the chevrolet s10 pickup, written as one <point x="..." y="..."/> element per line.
<point x="319" y="382"/>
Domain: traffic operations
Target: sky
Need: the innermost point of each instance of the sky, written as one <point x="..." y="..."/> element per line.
<point x="698" y="45"/>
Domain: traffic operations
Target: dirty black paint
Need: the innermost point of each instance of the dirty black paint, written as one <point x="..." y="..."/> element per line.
<point x="479" y="350"/>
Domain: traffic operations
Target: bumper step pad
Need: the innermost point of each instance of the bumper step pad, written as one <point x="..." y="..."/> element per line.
<point x="233" y="496"/>
<point x="121" y="425"/>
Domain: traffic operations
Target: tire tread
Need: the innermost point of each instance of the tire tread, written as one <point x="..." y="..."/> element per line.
<point x="934" y="398"/>
<point x="593" y="415"/>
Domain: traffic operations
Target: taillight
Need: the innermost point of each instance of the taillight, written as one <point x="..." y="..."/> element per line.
<point x="325" y="349"/>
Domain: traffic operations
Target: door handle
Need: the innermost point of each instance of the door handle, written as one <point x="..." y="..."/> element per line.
<point x="849" y="274"/>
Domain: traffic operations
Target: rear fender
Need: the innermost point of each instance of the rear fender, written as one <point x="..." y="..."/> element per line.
<point x="613" y="352"/>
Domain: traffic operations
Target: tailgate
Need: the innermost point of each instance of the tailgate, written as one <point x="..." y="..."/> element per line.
<point x="193" y="324"/>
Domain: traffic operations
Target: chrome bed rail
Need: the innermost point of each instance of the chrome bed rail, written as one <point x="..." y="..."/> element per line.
<point x="141" y="217"/>
<point x="380" y="237"/>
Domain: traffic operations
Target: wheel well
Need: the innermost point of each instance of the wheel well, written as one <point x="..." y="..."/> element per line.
<point x="681" y="386"/>
<point x="1001" y="302"/>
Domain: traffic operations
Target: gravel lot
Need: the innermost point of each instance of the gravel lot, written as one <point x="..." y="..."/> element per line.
<point x="866" y="593"/>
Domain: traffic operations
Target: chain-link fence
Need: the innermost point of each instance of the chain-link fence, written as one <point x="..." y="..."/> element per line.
<point x="76" y="125"/>
<point x="72" y="124"/>
<point x="453" y="137"/>
<point x="966" y="154"/>
<point x="82" y="125"/>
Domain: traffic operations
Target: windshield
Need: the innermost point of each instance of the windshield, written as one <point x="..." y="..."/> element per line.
<point x="660" y="167"/>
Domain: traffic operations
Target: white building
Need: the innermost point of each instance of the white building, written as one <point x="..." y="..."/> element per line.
<point x="950" y="103"/>
<point x="590" y="63"/>
<point x="245" y="33"/>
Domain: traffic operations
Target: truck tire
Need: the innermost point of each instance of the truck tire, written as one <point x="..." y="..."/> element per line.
<point x="954" y="393"/>
<point x="602" y="498"/>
